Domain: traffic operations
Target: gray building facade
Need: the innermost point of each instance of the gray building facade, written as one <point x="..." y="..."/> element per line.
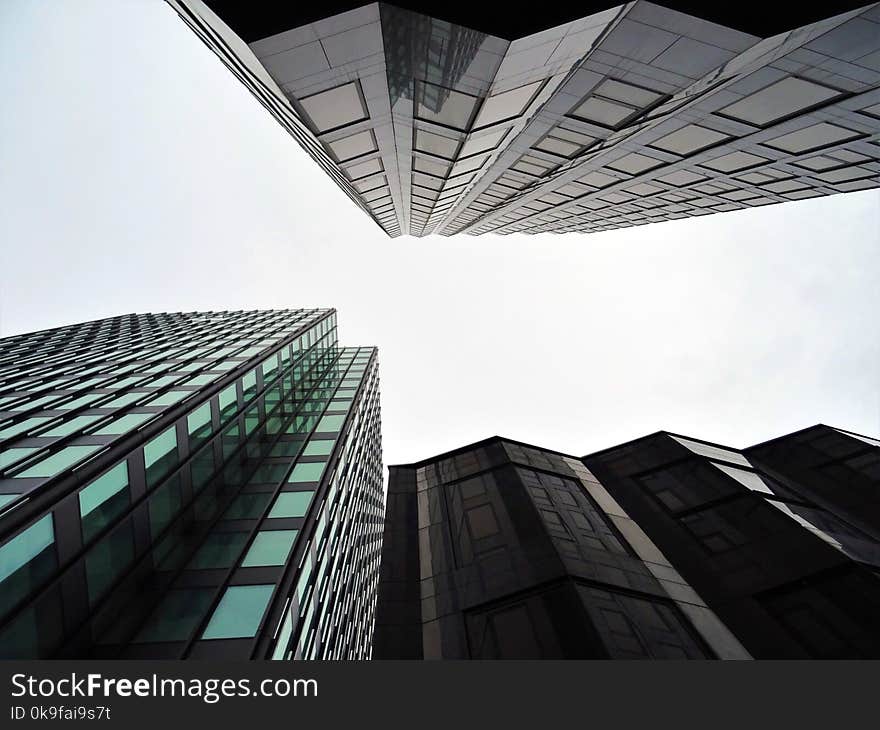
<point x="191" y="485"/>
<point x="664" y="547"/>
<point x="635" y="114"/>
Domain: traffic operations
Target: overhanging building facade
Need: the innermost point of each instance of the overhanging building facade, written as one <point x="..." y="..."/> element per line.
<point x="635" y="114"/>
<point x="664" y="547"/>
<point x="193" y="485"/>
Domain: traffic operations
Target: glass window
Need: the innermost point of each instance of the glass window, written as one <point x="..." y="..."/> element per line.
<point x="249" y="383"/>
<point x="169" y="398"/>
<point x="26" y="561"/>
<point x="335" y="107"/>
<point x="59" y="461"/>
<point x="165" y="503"/>
<point x="228" y="402"/>
<point x="198" y="424"/>
<point x="9" y="456"/>
<point x="354" y="145"/>
<point x="22" y="426"/>
<point x="160" y="456"/>
<point x="812" y="137"/>
<point x="689" y="139"/>
<point x="177" y="615"/>
<point x="7" y="499"/>
<point x="507" y="104"/>
<point x="78" y="402"/>
<point x="270" y="547"/>
<point x="124" y="424"/>
<point x="291" y="504"/>
<point x="319" y="447"/>
<point x="603" y="111"/>
<point x="109" y="558"/>
<point x="444" y="106"/>
<point x="123" y="400"/>
<point x="436" y="144"/>
<point x="330" y="424"/>
<point x="247" y="506"/>
<point x="307" y="472"/>
<point x="104" y="499"/>
<point x="239" y="613"/>
<point x="735" y="161"/>
<point x="219" y="550"/>
<point x="783" y="98"/>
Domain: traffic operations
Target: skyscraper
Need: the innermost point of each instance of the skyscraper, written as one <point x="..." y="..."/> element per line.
<point x="191" y="485"/>
<point x="664" y="547"/>
<point x="535" y="121"/>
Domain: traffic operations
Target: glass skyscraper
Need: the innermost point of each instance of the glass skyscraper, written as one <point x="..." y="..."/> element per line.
<point x="473" y="119"/>
<point x="191" y="485"/>
<point x="664" y="547"/>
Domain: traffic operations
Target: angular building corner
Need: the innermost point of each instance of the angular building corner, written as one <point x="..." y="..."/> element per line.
<point x="634" y="114"/>
<point x="192" y="485"/>
<point x="662" y="548"/>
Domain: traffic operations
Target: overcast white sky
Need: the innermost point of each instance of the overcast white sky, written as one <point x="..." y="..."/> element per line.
<point x="136" y="174"/>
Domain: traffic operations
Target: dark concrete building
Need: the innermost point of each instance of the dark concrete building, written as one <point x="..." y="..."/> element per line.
<point x="665" y="547"/>
<point x="454" y="117"/>
<point x="192" y="485"/>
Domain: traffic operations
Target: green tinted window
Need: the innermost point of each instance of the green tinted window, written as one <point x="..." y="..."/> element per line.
<point x="220" y="550"/>
<point x="319" y="447"/>
<point x="165" y="503"/>
<point x="291" y="504"/>
<point x="330" y="424"/>
<point x="228" y="402"/>
<point x="123" y="400"/>
<point x="81" y="401"/>
<point x="160" y="455"/>
<point x="124" y="424"/>
<point x="7" y="498"/>
<point x="23" y="426"/>
<point x="104" y="499"/>
<point x="59" y="461"/>
<point x="109" y="557"/>
<point x="200" y="380"/>
<point x="198" y="424"/>
<point x="249" y="383"/>
<point x="9" y="456"/>
<point x="239" y="612"/>
<point x="169" y="398"/>
<point x="270" y="547"/>
<point x="26" y="561"/>
<point x="72" y="424"/>
<point x="177" y="616"/>
<point x="308" y="472"/>
<point x="247" y="506"/>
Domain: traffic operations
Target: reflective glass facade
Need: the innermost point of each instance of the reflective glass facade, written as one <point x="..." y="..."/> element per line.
<point x="189" y="485"/>
<point x="634" y="114"/>
<point x="665" y="547"/>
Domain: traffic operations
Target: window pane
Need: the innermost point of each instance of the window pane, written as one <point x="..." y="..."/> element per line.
<point x="177" y="615"/>
<point x="239" y="612"/>
<point x="220" y="550"/>
<point x="330" y="423"/>
<point x="108" y="558"/>
<point x="26" y="561"/>
<point x="73" y="424"/>
<point x="270" y="547"/>
<point x="308" y="472"/>
<point x="319" y="447"/>
<point x="198" y="424"/>
<point x="124" y="424"/>
<point x="291" y="504"/>
<point x="103" y="500"/>
<point x="247" y="506"/>
<point x="160" y="455"/>
<point x="59" y="461"/>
